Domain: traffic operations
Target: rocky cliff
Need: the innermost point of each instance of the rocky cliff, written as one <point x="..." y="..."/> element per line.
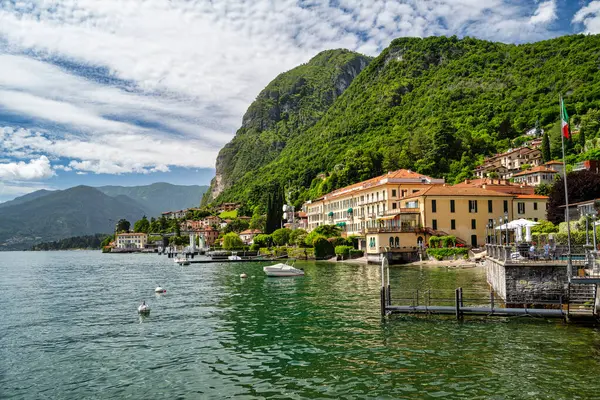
<point x="293" y="102"/>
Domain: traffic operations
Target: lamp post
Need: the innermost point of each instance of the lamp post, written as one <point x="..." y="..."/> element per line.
<point x="499" y="225"/>
<point x="494" y="230"/>
<point x="594" y="214"/>
<point x="487" y="233"/>
<point x="506" y="226"/>
<point x="587" y="229"/>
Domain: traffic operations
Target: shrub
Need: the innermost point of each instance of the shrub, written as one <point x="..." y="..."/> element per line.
<point x="263" y="240"/>
<point x="323" y="249"/>
<point x="434" y="241"/>
<point x="311" y="237"/>
<point x="339" y="241"/>
<point x="343" y="251"/>
<point x="354" y="253"/>
<point x="448" y="241"/>
<point x="297" y="237"/>
<point x="440" y="254"/>
<point x="255" y="247"/>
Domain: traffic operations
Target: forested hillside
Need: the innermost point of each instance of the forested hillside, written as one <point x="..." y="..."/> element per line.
<point x="436" y="105"/>
<point x="290" y="104"/>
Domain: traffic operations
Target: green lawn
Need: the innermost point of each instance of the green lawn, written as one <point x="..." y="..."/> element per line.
<point x="228" y="214"/>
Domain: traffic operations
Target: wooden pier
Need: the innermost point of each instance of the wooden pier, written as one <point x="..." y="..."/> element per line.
<point x="459" y="303"/>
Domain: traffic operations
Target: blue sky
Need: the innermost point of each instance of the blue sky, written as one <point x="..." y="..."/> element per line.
<point x="131" y="92"/>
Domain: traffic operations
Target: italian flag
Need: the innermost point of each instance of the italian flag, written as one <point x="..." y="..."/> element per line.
<point x="565" y="119"/>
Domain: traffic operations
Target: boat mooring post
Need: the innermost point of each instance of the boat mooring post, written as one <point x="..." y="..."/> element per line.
<point x="492" y="300"/>
<point x="382" y="290"/>
<point x="389" y="289"/>
<point x="457" y="302"/>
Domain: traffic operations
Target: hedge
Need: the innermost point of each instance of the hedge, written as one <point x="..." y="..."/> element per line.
<point x="440" y="254"/>
<point x="354" y="253"/>
<point x="343" y="251"/>
<point x="323" y="248"/>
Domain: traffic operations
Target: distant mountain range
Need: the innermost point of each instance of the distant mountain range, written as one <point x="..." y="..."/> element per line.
<point x="46" y="215"/>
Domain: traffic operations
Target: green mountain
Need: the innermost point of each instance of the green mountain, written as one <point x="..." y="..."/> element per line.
<point x="25" y="198"/>
<point x="289" y="105"/>
<point x="436" y="105"/>
<point x="159" y="197"/>
<point x="77" y="211"/>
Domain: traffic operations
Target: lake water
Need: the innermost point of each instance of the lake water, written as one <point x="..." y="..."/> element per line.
<point x="70" y="330"/>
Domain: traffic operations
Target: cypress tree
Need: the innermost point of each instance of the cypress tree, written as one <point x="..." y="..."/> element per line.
<point x="546" y="148"/>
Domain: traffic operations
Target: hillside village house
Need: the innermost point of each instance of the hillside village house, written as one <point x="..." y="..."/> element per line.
<point x="208" y="234"/>
<point x="536" y="176"/>
<point x="174" y="214"/>
<point x="498" y="185"/>
<point x="411" y="208"/>
<point x="587" y="165"/>
<point x="131" y="240"/>
<point x="506" y="164"/>
<point x="247" y="236"/>
<point x="228" y="207"/>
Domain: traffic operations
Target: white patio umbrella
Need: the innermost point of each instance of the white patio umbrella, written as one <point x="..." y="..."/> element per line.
<point x="517" y="224"/>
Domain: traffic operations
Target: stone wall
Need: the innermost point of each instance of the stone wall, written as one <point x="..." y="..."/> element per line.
<point x="518" y="283"/>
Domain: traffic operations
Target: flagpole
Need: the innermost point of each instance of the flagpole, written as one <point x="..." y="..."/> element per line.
<point x="567" y="219"/>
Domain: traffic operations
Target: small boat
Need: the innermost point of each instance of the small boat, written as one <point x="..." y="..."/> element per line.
<point x="234" y="257"/>
<point x="144" y="308"/>
<point x="160" y="290"/>
<point x="282" y="269"/>
<point x="182" y="261"/>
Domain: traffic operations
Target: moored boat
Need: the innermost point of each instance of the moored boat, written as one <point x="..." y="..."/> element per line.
<point x="182" y="261"/>
<point x="282" y="269"/>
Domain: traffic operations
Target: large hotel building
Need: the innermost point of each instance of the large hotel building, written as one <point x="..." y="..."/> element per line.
<point x="402" y="209"/>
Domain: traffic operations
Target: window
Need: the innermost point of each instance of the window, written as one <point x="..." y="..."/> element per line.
<point x="472" y="206"/>
<point x="452" y="224"/>
<point x="393" y="192"/>
<point x="391" y="242"/>
<point x="535" y="219"/>
<point x="505" y="206"/>
<point x="434" y="224"/>
<point x="394" y="205"/>
<point x="535" y="205"/>
<point x="490" y="206"/>
<point x="415" y="190"/>
<point x="397" y="241"/>
<point x="474" y="240"/>
<point x="473" y="224"/>
<point x="452" y="206"/>
<point x="521" y="208"/>
<point x="433" y="205"/>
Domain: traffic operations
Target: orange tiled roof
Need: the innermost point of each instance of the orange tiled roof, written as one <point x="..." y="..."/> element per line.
<point x="251" y="232"/>
<point x="399" y="174"/>
<point x="442" y="190"/>
<point x="553" y="162"/>
<point x="535" y="170"/>
<point x="531" y="196"/>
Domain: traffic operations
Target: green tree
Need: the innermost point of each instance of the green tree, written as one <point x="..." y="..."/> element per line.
<point x="544" y="226"/>
<point x="546" y="154"/>
<point x="274" y="210"/>
<point x="543" y="189"/>
<point x="237" y="225"/>
<point x="297" y="237"/>
<point x="232" y="241"/>
<point x="142" y="225"/>
<point x="123" y="225"/>
<point x="107" y="240"/>
<point x="581" y="139"/>
<point x="281" y="236"/>
<point x="328" y="230"/>
<point x="263" y="240"/>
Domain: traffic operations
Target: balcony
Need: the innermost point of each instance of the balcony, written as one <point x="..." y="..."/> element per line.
<point x="395" y="229"/>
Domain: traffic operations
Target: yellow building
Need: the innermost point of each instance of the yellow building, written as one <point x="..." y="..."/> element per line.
<point x="357" y="207"/>
<point x="131" y="240"/>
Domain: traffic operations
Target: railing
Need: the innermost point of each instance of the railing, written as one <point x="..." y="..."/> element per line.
<point x="585" y="262"/>
<point x="392" y="229"/>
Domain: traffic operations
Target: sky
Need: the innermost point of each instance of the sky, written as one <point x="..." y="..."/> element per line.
<point x="130" y="92"/>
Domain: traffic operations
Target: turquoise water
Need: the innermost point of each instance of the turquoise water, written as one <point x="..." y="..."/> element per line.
<point x="71" y="331"/>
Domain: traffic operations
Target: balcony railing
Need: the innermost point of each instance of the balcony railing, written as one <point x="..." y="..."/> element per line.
<point x="394" y="229"/>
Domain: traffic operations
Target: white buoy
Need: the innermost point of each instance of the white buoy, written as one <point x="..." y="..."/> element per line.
<point x="160" y="290"/>
<point x="144" y="308"/>
<point x="243" y="276"/>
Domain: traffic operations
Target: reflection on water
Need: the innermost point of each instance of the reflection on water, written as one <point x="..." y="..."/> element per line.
<point x="71" y="331"/>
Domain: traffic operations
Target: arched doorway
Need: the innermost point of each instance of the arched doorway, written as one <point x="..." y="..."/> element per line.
<point x="420" y="241"/>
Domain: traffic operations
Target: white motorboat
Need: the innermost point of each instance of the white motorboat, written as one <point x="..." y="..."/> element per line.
<point x="182" y="261"/>
<point x="282" y="269"/>
<point x="144" y="308"/>
<point x="160" y="290"/>
<point x="234" y="257"/>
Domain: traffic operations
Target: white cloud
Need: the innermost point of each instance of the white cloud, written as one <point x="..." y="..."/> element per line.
<point x="10" y="190"/>
<point x="164" y="83"/>
<point x="33" y="170"/>
<point x="545" y="13"/>
<point x="589" y="16"/>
